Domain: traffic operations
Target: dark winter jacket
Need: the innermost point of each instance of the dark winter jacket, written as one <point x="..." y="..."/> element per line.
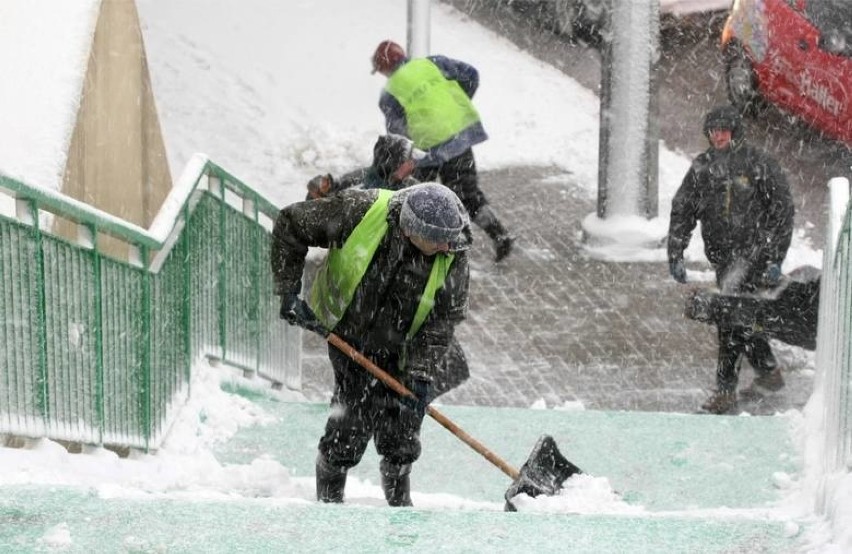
<point x="741" y="197"/>
<point x="468" y="78"/>
<point x="389" y="153"/>
<point x="385" y="301"/>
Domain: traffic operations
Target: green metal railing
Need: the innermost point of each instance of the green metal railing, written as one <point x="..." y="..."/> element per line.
<point x="99" y="350"/>
<point x="834" y="336"/>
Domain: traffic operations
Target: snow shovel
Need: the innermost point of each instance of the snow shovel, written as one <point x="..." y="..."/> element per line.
<point x="544" y="471"/>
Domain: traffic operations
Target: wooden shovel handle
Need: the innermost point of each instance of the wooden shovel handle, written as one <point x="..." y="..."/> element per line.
<point x="401" y="390"/>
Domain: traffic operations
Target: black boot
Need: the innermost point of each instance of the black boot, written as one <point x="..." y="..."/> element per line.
<point x="396" y="483"/>
<point x="503" y="247"/>
<point x="331" y="481"/>
<point x="503" y="241"/>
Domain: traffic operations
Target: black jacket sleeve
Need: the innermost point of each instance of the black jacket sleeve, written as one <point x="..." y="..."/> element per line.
<point x="464" y="74"/>
<point x="395" y="120"/>
<point x="684" y="214"/>
<point x="323" y="223"/>
<point x="352" y="179"/>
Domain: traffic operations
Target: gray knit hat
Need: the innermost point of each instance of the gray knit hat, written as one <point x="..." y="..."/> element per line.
<point x="724" y="117"/>
<point x="432" y="212"/>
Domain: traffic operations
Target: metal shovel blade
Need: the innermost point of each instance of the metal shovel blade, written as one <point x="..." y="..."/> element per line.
<point x="543" y="472"/>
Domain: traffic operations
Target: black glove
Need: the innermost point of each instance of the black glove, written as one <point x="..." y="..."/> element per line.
<point x="296" y="311"/>
<point x="421" y="389"/>
<point x="677" y="271"/>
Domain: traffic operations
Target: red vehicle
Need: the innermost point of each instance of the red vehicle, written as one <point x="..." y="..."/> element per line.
<point x="796" y="54"/>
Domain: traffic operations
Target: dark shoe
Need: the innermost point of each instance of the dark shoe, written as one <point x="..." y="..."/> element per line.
<point x="503" y="247"/>
<point x="331" y="481"/>
<point x="396" y="484"/>
<point x="487" y="219"/>
<point x="772" y="381"/>
<point x="721" y="402"/>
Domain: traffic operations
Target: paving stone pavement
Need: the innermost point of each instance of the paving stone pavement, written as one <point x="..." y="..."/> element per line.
<point x="552" y="324"/>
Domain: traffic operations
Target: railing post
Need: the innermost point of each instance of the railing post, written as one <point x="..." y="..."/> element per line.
<point x="145" y="354"/>
<point x="250" y="210"/>
<point x="89" y="239"/>
<point x="217" y="188"/>
<point x="187" y="298"/>
<point x="29" y="210"/>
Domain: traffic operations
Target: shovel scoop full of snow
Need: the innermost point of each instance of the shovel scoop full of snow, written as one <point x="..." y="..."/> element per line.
<point x="543" y="473"/>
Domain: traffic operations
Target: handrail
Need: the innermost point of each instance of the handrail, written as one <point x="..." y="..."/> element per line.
<point x="98" y="349"/>
<point x="163" y="224"/>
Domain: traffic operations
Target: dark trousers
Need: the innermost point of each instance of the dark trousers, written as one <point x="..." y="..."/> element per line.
<point x="458" y="175"/>
<point x="363" y="408"/>
<point x="734" y="342"/>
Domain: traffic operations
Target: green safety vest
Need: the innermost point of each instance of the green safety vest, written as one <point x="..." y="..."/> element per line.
<point x="344" y="267"/>
<point x="436" y="109"/>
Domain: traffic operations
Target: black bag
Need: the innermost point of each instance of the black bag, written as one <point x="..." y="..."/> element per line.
<point x="788" y="312"/>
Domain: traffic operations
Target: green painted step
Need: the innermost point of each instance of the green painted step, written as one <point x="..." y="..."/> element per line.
<point x="28" y="518"/>
<point x="688" y="483"/>
<point x="661" y="461"/>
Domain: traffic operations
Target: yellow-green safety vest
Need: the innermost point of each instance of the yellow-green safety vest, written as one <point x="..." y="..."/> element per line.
<point x="344" y="267"/>
<point x="436" y="109"/>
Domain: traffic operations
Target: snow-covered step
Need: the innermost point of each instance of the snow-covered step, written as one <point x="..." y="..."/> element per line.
<point x="69" y="520"/>
<point x="656" y="461"/>
<point x="655" y="482"/>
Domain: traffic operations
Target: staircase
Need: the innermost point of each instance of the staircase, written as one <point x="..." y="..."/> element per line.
<point x="685" y="483"/>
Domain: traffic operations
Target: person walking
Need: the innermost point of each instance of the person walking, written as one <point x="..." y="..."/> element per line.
<point x="429" y="100"/>
<point x="742" y="199"/>
<point x="394" y="286"/>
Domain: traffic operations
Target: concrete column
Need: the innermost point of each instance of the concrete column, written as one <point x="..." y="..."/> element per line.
<point x="117" y="159"/>
<point x="626" y="222"/>
<point x="418" y="28"/>
<point x="629" y="134"/>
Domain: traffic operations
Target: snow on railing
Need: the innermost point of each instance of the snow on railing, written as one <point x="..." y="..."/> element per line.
<point x="97" y="348"/>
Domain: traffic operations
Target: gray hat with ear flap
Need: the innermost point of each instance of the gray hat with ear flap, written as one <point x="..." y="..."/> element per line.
<point x="724" y="117"/>
<point x="432" y="212"/>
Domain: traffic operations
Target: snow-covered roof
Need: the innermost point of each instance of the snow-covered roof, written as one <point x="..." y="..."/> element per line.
<point x="44" y="50"/>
